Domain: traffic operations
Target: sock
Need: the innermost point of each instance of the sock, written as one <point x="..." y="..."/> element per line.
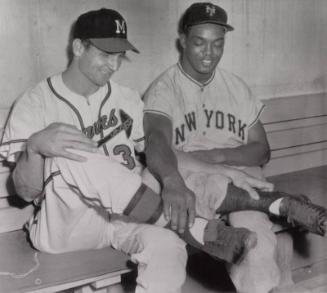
<point x="274" y="207"/>
<point x="237" y="199"/>
<point x="145" y="206"/>
<point x="197" y="230"/>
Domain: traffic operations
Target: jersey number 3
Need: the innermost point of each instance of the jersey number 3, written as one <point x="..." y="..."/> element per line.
<point x="126" y="153"/>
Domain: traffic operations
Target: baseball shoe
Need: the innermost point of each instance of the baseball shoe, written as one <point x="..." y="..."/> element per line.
<point x="225" y="242"/>
<point x="301" y="211"/>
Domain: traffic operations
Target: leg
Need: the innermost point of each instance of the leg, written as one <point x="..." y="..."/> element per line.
<point x="107" y="189"/>
<point x="298" y="210"/>
<point x="160" y="255"/>
<point x="84" y="224"/>
<point x="259" y="272"/>
<point x="284" y="258"/>
<point x="214" y="237"/>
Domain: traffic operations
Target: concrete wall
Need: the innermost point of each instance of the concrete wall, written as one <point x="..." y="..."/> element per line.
<point x="278" y="46"/>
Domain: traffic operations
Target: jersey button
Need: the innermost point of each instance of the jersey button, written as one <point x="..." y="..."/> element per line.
<point x="204" y="132"/>
<point x="203" y="105"/>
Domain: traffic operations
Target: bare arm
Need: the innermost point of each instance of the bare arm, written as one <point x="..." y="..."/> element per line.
<point x="178" y="200"/>
<point x="53" y="141"/>
<point x="255" y="153"/>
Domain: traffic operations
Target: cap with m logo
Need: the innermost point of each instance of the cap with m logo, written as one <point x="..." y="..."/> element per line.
<point x="105" y="28"/>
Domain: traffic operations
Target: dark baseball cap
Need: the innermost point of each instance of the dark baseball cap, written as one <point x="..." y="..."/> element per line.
<point x="204" y="12"/>
<point x="105" y="28"/>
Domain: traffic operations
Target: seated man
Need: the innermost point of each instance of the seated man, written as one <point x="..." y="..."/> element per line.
<point x="70" y="111"/>
<point x="199" y="116"/>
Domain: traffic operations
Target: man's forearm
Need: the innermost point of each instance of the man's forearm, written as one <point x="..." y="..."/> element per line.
<point x="28" y="175"/>
<point x="252" y="154"/>
<point x="161" y="160"/>
<point x="192" y="163"/>
<point x="188" y="162"/>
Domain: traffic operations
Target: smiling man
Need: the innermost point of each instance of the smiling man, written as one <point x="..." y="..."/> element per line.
<point x="199" y="116"/>
<point x="81" y="118"/>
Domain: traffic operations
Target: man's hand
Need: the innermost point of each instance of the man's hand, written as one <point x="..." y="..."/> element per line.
<point x="179" y="203"/>
<point x="54" y="140"/>
<point x="248" y="183"/>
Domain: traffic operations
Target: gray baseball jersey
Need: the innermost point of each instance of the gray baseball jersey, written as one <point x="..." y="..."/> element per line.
<point x="218" y="113"/>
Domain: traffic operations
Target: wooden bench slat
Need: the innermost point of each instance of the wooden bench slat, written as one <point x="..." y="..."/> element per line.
<point x="299" y="136"/>
<point x="298" y="106"/>
<point x="55" y="270"/>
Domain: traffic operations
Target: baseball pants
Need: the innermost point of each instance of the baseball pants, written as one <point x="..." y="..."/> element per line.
<point x="75" y="216"/>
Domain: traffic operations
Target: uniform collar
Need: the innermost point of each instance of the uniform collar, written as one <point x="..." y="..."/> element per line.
<point x="194" y="80"/>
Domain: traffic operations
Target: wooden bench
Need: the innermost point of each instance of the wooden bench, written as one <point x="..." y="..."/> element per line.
<point x="23" y="269"/>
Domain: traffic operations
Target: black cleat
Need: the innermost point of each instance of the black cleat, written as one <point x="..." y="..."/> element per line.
<point x="300" y="211"/>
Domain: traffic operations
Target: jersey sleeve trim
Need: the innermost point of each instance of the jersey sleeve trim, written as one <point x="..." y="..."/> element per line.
<point x="139" y="139"/>
<point x="13" y="141"/>
<point x="10" y="148"/>
<point x="158" y="112"/>
<point x="258" y="116"/>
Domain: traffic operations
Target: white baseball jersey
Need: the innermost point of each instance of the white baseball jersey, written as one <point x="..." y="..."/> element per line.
<point x="218" y="113"/>
<point x="97" y="116"/>
<point x="65" y="220"/>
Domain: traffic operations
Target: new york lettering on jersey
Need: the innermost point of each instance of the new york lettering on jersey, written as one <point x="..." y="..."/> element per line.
<point x="214" y="119"/>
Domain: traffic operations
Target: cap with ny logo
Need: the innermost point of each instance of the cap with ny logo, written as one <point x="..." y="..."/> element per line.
<point x="105" y="28"/>
<point x="204" y="12"/>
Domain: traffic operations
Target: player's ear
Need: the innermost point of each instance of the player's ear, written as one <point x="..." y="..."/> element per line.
<point x="77" y="47"/>
<point x="182" y="40"/>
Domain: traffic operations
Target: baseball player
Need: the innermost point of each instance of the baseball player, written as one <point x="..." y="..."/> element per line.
<point x="62" y="119"/>
<point x="198" y="116"/>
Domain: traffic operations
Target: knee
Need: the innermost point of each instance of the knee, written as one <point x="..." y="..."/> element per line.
<point x="162" y="246"/>
<point x="163" y="240"/>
